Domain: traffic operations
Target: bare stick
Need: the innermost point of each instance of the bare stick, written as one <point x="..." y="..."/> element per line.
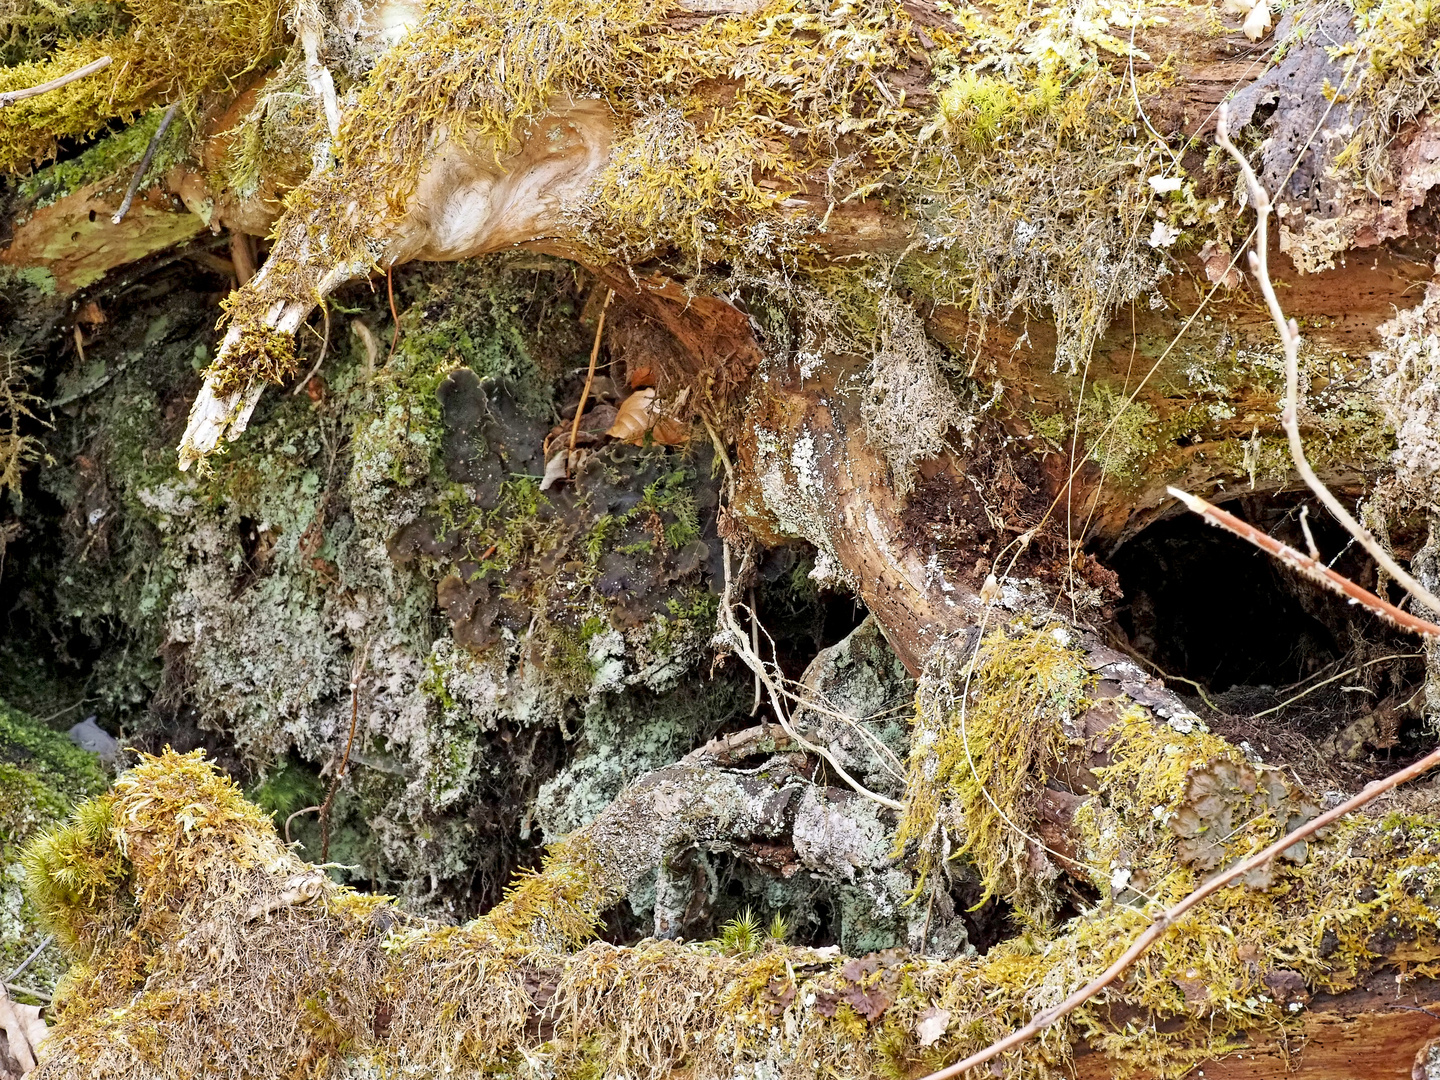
<point x="324" y="348"/>
<point x="9" y="97"/>
<point x="145" y="163"/>
<point x="1290" y="339"/>
<point x="590" y="375"/>
<point x="1168" y="918"/>
<point x="1316" y="571"/>
<point x="30" y="959"/>
<point x="17" y="988"/>
<point x="357" y="673"/>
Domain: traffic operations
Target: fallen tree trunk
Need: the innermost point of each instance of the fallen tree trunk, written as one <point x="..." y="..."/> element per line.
<point x="884" y="257"/>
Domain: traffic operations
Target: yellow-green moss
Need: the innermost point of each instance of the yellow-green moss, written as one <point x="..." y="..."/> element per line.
<point x="349" y="979"/>
<point x="261" y="355"/>
<point x="169" y="49"/>
<point x="719" y="124"/>
<point x="985" y="729"/>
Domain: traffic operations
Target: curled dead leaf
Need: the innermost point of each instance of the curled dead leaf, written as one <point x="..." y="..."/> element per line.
<point x="1257" y="23"/>
<point x="1216" y="257"/>
<point x="557" y="468"/>
<point x="635" y="416"/>
<point x="930" y="1027"/>
<point x="670" y="432"/>
<point x="23" y="1031"/>
<point x="641" y="377"/>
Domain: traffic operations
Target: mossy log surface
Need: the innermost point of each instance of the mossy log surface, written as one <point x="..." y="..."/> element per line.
<point x="908" y="310"/>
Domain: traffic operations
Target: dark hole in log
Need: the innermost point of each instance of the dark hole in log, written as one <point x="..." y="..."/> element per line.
<point x="1204" y="605"/>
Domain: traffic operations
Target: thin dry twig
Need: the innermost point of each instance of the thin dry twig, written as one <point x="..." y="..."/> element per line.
<point x="49" y="938"/>
<point x="145" y="163"/>
<point x="1129" y="650"/>
<point x="357" y="673"/>
<point x="292" y="817"/>
<point x="324" y="348"/>
<point x="1316" y="571"/>
<point x="394" y="315"/>
<point x="590" y="375"/>
<point x="10" y="97"/>
<point x="1336" y="678"/>
<point x="738" y="640"/>
<point x="18" y="988"/>
<point x="1171" y="915"/>
<point x="1290" y="340"/>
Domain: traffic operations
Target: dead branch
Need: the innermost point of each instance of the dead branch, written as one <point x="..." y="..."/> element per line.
<point x="1170" y="916"/>
<point x="736" y="639"/>
<point x="1316" y="571"/>
<point x="1290" y="339"/>
<point x="145" y="163"/>
<point x="590" y="374"/>
<point x="10" y="97"/>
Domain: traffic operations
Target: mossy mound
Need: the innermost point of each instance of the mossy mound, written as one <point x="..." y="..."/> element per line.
<point x="204" y="944"/>
<point x="42" y="775"/>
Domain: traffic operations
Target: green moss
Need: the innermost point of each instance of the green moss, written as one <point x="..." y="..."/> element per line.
<point x="984" y="733"/>
<point x="285" y="790"/>
<point x="697" y="177"/>
<point x="49" y="756"/>
<point x="32" y="26"/>
<point x="112" y="159"/>
<point x="72" y="874"/>
<point x="160" y="50"/>
<point x="269" y="356"/>
<point x="460" y="998"/>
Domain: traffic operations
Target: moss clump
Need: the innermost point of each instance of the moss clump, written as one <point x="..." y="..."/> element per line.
<point x="720" y="125"/>
<point x="986" y="729"/>
<point x="165" y="49"/>
<point x="30" y="28"/>
<point x="261" y="355"/>
<point x="48" y="755"/>
<point x="224" y="953"/>
<point x="19" y="447"/>
<point x="41" y="773"/>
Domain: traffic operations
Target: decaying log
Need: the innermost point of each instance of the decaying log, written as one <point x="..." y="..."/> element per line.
<point x="961" y="548"/>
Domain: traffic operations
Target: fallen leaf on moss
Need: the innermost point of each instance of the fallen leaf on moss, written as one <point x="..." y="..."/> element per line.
<point x="24" y="1031"/>
<point x="930" y="1028"/>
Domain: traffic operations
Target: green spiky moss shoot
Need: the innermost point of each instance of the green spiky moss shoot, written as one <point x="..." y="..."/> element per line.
<point x="985" y="730"/>
<point x="262" y="355"/>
